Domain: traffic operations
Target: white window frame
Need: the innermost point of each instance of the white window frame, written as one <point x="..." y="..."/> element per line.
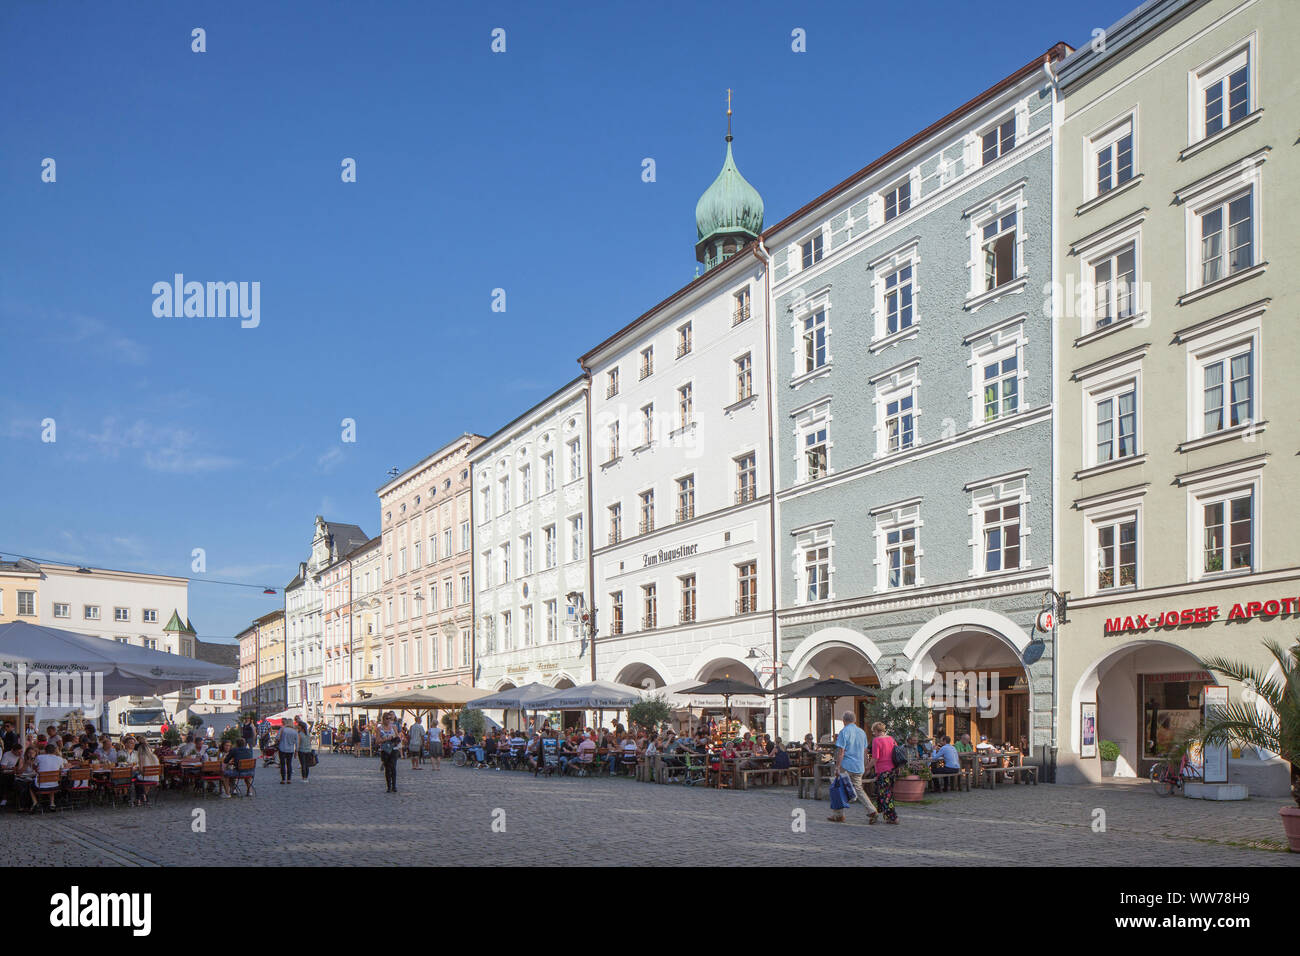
<point x="992" y="493"/>
<point x="894" y="385"/>
<point x="1245" y="52"/>
<point x="808" y="421"/>
<point x="1228" y="484"/>
<point x="897" y="517"/>
<point x="997" y="342"/>
<point x="809" y="539"/>
<point x="1107" y="137"/>
<point x="1214" y="192"/>
<point x="1019" y="127"/>
<point x="1010" y="200"/>
<point x="1218" y="339"/>
<point x="1109" y="381"/>
<point x="881" y="269"/>
<point x="820" y="233"/>
<point x="800" y="312"/>
<point x="1113" y="516"/>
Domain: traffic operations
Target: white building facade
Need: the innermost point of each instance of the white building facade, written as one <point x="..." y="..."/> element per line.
<point x="531" y="541"/>
<point x="682" y="520"/>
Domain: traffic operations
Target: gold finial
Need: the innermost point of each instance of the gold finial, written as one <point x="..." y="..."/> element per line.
<point x="728" y="114"/>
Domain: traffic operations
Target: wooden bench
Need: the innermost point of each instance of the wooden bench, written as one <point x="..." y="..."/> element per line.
<point x="960" y="781"/>
<point x="1022" y="774"/>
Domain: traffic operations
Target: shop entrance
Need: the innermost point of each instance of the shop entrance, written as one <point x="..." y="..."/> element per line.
<point x="980" y="689"/>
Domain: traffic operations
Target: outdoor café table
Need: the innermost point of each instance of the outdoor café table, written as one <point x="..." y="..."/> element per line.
<point x="761" y="761"/>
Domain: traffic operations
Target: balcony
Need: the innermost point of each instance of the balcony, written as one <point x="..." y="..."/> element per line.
<point x="740" y="314"/>
<point x="649" y="622"/>
<point x="745" y="494"/>
<point x="647" y="369"/>
<point x="611" y="391"/>
<point x="686" y="615"/>
<point x="683" y="348"/>
<point x="616" y="628"/>
<point x="615" y="536"/>
<point x="647" y="525"/>
<point x="686" y="512"/>
<point x="747" y="605"/>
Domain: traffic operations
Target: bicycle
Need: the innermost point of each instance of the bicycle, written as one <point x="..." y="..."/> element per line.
<point x="1166" y="778"/>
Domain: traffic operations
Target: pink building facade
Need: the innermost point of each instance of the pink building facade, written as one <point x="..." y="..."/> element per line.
<point x="427" y="589"/>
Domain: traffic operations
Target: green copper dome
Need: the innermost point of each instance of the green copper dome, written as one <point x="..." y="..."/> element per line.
<point x="730" y="206"/>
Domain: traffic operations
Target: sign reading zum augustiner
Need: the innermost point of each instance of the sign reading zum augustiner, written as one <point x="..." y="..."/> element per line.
<point x="672" y="554"/>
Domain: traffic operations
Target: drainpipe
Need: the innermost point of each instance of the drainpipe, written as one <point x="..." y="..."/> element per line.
<point x="590" y="627"/>
<point x="1050" y="757"/>
<point x="763" y="255"/>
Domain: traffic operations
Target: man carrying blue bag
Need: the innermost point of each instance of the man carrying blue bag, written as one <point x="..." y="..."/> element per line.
<point x="850" y="750"/>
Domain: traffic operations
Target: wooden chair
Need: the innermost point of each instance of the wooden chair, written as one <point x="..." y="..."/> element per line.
<point x="150" y="779"/>
<point x="244" y="770"/>
<point x="119" y="784"/>
<point x="45" y="787"/>
<point x="79" y="787"/>
<point x="210" y="773"/>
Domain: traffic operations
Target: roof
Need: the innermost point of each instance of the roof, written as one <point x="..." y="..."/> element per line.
<point x="345" y="537"/>
<point x="1128" y="31"/>
<point x="729" y="205"/>
<point x="215" y="653"/>
<point x="446" y="449"/>
<point x="483" y="449"/>
<point x="174" y="623"/>
<point x="1055" y="52"/>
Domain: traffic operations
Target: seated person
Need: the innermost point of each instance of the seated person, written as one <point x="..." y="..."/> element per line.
<point x="45" y="762"/>
<point x="230" y="764"/>
<point x="780" y="756"/>
<point x="568" y="752"/>
<point x="963" y="746"/>
<point x="107" y="752"/>
<point x="490" y="748"/>
<point x="948" y="763"/>
<point x="809" y="746"/>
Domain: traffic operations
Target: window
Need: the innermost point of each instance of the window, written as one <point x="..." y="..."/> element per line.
<point x="448" y="593"/>
<point x="817" y="574"/>
<point x="811" y="250"/>
<point x="647" y="361"/>
<point x="507" y="632"/>
<point x="528" y="625"/>
<point x="1002" y="537"/>
<point x="548" y="472"/>
<point x="686" y="498"/>
<point x="485" y="512"/>
<point x="1116" y="424"/>
<point x="526" y="552"/>
<point x="900" y="557"/>
<point x="548" y="546"/>
<point x="613" y="442"/>
<point x="688" y="598"/>
<point x="899" y="432"/>
<point x="898" y="300"/>
<point x="684" y="340"/>
<point x="1223" y="92"/>
<point x="744" y="377"/>
<point x="465" y="596"/>
<point x="27" y="605"/>
<point x="814" y="341"/>
<point x="448" y="661"/>
<point x="415" y="556"/>
<point x="650" y="603"/>
<point x="62" y="610"/>
<point x="647" y="424"/>
<point x="1112" y="157"/>
<point x="998" y="140"/>
<point x="816" y="450"/>
<point x="647" y="511"/>
<point x="525" y="484"/>
<point x="998" y="237"/>
<point x="575" y="538"/>
<point x="1227" y="237"/>
<point x="464" y="536"/>
<point x="90" y="612"/>
<point x="504" y="501"/>
<point x="1116" y="544"/>
<point x="616" y="613"/>
<point x="464" y="649"/>
<point x="740" y="309"/>
<point x="489" y="635"/>
<point x="1001" y="386"/>
<point x="1228" y="526"/>
<point x="685" y="406"/>
<point x="898" y="200"/>
<point x="505" y="562"/>
<point x="119" y="613"/>
<point x="611" y="389"/>
<point x="746" y="478"/>
<point x="552" y="622"/>
<point x="747" y="587"/>
<point x="575" y="459"/>
<point x="1114" y="286"/>
<point x="615" y="523"/>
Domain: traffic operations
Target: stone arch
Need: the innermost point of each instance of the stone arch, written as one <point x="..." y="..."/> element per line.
<point x="828" y="637"/>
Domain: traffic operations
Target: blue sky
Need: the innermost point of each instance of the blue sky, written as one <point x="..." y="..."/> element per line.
<point x="475" y="171"/>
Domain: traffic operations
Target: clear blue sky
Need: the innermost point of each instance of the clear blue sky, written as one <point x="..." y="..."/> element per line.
<point x="475" y="171"/>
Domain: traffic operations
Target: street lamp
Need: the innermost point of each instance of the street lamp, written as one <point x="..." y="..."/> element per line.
<point x="586" y="625"/>
<point x="761" y="654"/>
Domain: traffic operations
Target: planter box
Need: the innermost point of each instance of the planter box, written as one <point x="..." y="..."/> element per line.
<point x="1291" y="822"/>
<point x="909" y="790"/>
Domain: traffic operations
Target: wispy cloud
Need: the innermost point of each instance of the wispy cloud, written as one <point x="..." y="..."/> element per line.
<point x="328" y="461"/>
<point x="163" y="448"/>
<point x="76" y="330"/>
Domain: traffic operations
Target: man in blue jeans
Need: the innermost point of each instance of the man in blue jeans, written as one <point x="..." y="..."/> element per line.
<point x="287" y="745"/>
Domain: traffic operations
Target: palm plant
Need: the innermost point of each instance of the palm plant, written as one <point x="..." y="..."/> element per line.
<point x="1243" y="723"/>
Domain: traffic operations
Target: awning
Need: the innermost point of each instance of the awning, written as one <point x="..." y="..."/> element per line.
<point x="597" y="695"/>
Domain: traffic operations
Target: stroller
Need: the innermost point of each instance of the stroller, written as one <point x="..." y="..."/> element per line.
<point x="270" y="756"/>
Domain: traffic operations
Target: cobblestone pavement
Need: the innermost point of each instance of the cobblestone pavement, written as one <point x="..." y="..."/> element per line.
<point x="344" y="817"/>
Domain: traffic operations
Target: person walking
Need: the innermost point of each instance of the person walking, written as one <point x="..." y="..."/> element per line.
<point x="389" y="739"/>
<point x="882" y="751"/>
<point x="248" y="732"/>
<point x="306" y="755"/>
<point x="415" y="743"/>
<point x="286" y="744"/>
<point x="850" y="751"/>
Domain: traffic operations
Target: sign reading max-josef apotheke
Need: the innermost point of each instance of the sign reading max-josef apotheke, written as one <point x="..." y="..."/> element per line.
<point x="1177" y="617"/>
<point x="672" y="554"/>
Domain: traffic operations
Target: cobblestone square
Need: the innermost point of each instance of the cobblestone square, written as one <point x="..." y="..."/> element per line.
<point x="343" y="817"/>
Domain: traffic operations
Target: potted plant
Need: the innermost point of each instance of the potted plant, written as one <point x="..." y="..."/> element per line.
<point x="1277" y="731"/>
<point x="1109" y="752"/>
<point x="649" y="712"/>
<point x="911" y="781"/>
<point x="171" y="737"/>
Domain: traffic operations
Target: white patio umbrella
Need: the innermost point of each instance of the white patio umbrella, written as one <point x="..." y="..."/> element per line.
<point x="597" y="695"/>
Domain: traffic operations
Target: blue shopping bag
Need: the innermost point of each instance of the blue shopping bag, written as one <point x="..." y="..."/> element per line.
<point x="841" y="792"/>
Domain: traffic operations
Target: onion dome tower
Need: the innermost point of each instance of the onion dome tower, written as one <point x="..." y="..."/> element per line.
<point x="729" y="214"/>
